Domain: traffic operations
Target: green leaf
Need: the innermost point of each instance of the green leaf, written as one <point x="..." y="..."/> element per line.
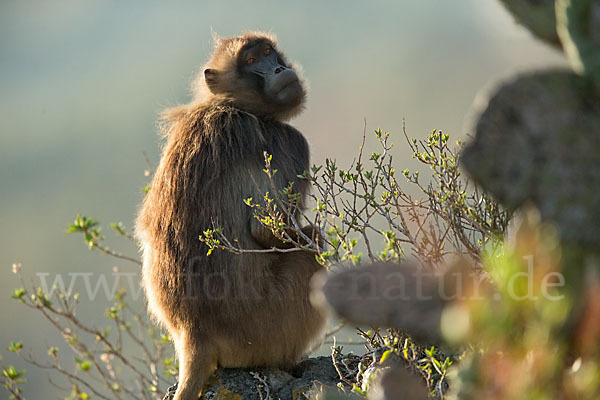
<point x="11" y="373"/>
<point x="18" y="294"/>
<point x="84" y="365"/>
<point x="385" y="356"/>
<point x="15" y="347"/>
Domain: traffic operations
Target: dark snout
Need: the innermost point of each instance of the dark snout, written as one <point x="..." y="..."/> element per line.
<point x="282" y="85"/>
<point x="282" y="78"/>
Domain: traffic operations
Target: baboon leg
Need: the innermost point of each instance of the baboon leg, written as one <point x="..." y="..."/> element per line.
<point x="296" y="270"/>
<point x="306" y="322"/>
<point x="196" y="364"/>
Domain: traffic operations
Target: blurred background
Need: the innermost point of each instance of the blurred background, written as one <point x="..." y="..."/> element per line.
<point x="82" y="82"/>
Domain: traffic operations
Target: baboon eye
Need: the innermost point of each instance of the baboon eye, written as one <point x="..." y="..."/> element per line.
<point x="250" y="60"/>
<point x="267" y="51"/>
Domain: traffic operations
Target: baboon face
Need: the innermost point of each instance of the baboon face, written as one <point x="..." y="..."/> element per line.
<point x="261" y="77"/>
<point x="262" y="64"/>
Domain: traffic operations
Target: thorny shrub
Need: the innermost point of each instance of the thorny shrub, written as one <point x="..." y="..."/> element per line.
<point x="369" y="208"/>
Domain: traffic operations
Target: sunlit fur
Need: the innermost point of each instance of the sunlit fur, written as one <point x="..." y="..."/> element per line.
<point x="225" y="309"/>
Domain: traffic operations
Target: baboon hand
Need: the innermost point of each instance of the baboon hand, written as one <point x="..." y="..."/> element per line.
<point x="316" y="235"/>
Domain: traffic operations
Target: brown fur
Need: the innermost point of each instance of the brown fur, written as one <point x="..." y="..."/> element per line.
<point x="225" y="309"/>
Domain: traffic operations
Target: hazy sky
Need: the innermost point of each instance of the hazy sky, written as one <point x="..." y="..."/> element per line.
<point x="81" y="83"/>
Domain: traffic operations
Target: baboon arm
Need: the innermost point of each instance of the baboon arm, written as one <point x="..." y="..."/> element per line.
<point x="266" y="239"/>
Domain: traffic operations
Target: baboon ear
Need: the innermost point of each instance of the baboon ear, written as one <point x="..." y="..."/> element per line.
<point x="211" y="77"/>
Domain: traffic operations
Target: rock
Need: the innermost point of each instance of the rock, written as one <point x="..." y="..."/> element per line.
<point x="537" y="15"/>
<point x="537" y="141"/>
<point x="388" y="295"/>
<point x="298" y="383"/>
<point x="578" y="27"/>
<point x="396" y="382"/>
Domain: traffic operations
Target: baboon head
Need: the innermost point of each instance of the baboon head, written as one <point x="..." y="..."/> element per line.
<point x="250" y="72"/>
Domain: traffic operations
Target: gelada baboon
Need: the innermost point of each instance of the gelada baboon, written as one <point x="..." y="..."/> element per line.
<point x="225" y="309"/>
